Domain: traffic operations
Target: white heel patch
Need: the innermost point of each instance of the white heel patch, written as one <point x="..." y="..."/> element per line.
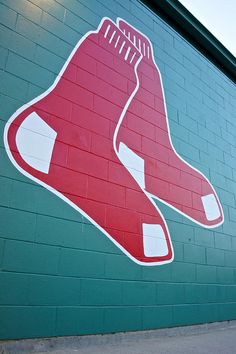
<point x="154" y="241"/>
<point x="35" y="141"/>
<point x="133" y="163"/>
<point x="211" y="207"/>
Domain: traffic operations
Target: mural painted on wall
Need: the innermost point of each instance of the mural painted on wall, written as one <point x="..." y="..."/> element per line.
<point x="99" y="139"/>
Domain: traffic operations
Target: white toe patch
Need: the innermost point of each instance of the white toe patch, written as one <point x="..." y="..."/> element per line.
<point x="35" y="140"/>
<point x="133" y="163"/>
<point x="211" y="207"/>
<point x="154" y="241"/>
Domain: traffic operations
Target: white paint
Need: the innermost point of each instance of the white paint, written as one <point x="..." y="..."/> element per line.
<point x="132" y="58"/>
<point x="122" y="46"/>
<point x="133" y="163"/>
<point x="154" y="241"/>
<point x="35" y="141"/>
<point x="117" y="41"/>
<point x="127" y="53"/>
<point x="107" y="30"/>
<point x="112" y="36"/>
<point x="211" y="208"/>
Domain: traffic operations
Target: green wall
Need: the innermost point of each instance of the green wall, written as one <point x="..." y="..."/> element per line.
<point x="59" y="275"/>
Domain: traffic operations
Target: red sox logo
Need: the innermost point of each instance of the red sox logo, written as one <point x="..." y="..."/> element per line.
<point x="99" y="139"/>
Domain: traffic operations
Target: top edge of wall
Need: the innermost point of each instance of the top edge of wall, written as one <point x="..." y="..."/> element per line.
<point x="178" y="17"/>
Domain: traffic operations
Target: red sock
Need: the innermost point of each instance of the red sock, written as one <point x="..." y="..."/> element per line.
<point x="63" y="139"/>
<point x="167" y="176"/>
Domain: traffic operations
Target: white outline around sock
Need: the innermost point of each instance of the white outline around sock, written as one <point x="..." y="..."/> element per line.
<point x="54" y="191"/>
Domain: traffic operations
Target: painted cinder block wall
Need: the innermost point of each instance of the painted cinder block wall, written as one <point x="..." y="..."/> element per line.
<point x="59" y="275"/>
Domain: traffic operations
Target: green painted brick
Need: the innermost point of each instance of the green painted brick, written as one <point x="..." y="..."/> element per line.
<point x="29" y="71"/>
<point x="13" y="86"/>
<point x="77" y="23"/>
<point x="7" y="16"/>
<point x="179" y="132"/>
<point x="230" y="259"/>
<point x="8" y="106"/>
<point x="2" y="125"/>
<point x="171" y="215"/>
<point x="54" y="291"/>
<point x="233" y="239"/>
<point x="157" y="317"/>
<point x="81" y="263"/>
<point x="229" y="228"/>
<point x="14" y="289"/>
<point x="27" y="9"/>
<point x="204" y="237"/>
<point x="194" y="254"/>
<point x="48" y="60"/>
<point x="181" y="232"/>
<point x="17" y="43"/>
<point x="218" y="180"/>
<point x="196" y="293"/>
<point x="52" y="43"/>
<point x="121" y="267"/>
<point x="179" y="251"/>
<point x="5" y="191"/>
<point x="3" y="57"/>
<point x="221" y="293"/>
<point x="49" y="204"/>
<point x="191" y="125"/>
<point x="183" y="272"/>
<point x="59" y="29"/>
<point x="59" y="232"/>
<point x="232" y="214"/>
<point x="215" y="256"/>
<point x="209" y="313"/>
<point x="205" y="273"/>
<point x="17" y="224"/>
<point x="189" y="151"/>
<point x="223" y="241"/>
<point x="227" y="311"/>
<point x="120" y="319"/>
<point x="52" y="7"/>
<point x="83" y="11"/>
<point x="32" y="258"/>
<point x="230" y="293"/>
<point x="2" y="245"/>
<point x="145" y="293"/>
<point x="101" y="292"/>
<point x="158" y="274"/>
<point x="226" y="197"/>
<point x="186" y="314"/>
<point x="212" y="293"/>
<point x="103" y="10"/>
<point x="95" y="240"/>
<point x="26" y="322"/>
<point x="198" y="142"/>
<point x="27" y="28"/>
<point x="79" y="320"/>
<point x="33" y="92"/>
<point x="225" y="275"/>
<point x="23" y="196"/>
<point x="171" y="293"/>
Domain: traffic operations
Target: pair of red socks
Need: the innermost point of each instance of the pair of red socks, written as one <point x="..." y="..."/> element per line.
<point x="99" y="139"/>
